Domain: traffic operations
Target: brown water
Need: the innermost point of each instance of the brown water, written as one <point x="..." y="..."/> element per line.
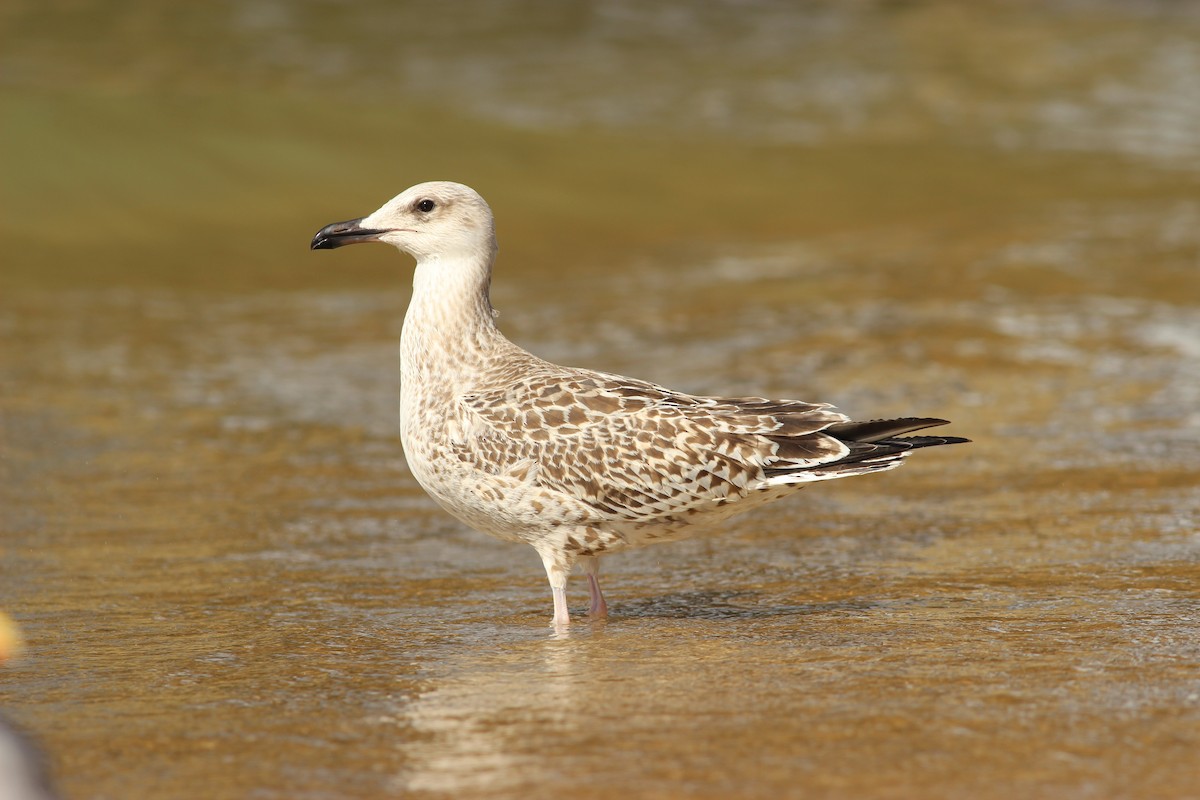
<point x="230" y="585"/>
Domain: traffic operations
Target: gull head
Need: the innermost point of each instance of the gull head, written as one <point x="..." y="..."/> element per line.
<point x="429" y="221"/>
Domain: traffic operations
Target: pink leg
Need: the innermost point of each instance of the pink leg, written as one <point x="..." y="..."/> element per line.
<point x="599" y="608"/>
<point x="562" y="617"/>
<point x="591" y="567"/>
<point x="556" y="573"/>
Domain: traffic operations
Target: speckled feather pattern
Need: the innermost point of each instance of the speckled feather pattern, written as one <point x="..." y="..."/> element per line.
<point x="575" y="462"/>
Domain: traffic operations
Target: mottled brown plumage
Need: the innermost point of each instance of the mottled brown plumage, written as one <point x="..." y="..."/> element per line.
<point x="579" y="463"/>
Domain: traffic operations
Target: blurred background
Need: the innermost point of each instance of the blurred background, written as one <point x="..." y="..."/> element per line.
<point x="228" y="583"/>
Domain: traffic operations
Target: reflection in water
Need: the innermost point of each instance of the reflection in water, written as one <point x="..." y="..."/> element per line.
<point x="490" y="724"/>
<point x="230" y="585"/>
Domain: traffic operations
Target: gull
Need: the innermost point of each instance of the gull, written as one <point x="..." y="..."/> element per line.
<point x="574" y="462"/>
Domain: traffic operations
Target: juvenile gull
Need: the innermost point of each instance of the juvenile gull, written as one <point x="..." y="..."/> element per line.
<point x="574" y="462"/>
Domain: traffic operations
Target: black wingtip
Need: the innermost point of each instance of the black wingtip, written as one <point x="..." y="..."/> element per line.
<point x="876" y="430"/>
<point x="927" y="441"/>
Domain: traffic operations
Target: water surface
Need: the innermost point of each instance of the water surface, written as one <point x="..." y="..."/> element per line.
<point x="230" y="585"/>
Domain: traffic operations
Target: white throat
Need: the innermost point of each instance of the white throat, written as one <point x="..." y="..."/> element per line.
<point x="450" y="322"/>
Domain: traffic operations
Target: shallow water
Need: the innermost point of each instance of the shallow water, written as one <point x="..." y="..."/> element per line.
<point x="230" y="585"/>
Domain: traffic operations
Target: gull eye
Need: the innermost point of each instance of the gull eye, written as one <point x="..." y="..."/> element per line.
<point x="425" y="206"/>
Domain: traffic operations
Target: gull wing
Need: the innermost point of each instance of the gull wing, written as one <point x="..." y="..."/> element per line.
<point x="634" y="450"/>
